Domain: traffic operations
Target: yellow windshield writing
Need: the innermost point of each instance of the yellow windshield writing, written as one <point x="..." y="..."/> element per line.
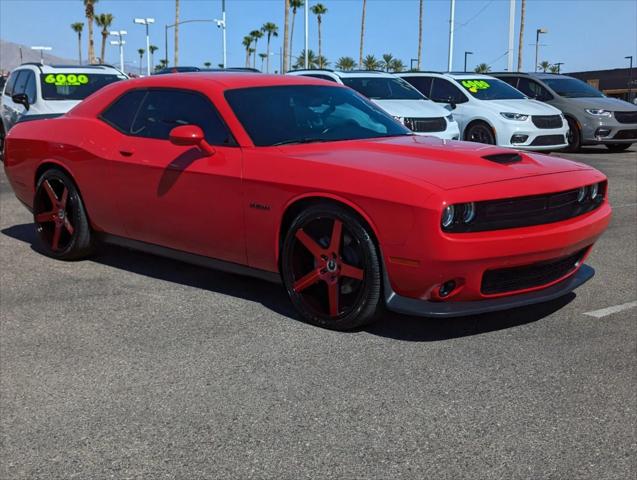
<point x="474" y="85"/>
<point x="66" y="79"/>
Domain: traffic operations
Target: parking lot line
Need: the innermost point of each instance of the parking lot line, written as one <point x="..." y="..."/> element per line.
<point x="604" y="312"/>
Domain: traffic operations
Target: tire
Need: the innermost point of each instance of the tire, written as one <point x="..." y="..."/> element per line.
<point x="480" y="132"/>
<point x="60" y="219"/>
<point x="330" y="268"/>
<point x="2" y="135"/>
<point x="574" y="136"/>
<point x="617" y="147"/>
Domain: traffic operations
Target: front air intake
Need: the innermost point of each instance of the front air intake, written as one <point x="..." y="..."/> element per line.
<point x="504" y="158"/>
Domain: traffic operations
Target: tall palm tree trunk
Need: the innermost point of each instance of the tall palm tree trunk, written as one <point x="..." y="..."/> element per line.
<point x="176" y="61"/>
<point x="320" y="57"/>
<point x="521" y="39"/>
<point x="292" y="37"/>
<point x="91" y="45"/>
<point x="360" y="52"/>
<point x="103" y="49"/>
<point x="267" y="59"/>
<point x="286" y="39"/>
<point x="247" y="58"/>
<point x="419" y="34"/>
<point x="79" y="46"/>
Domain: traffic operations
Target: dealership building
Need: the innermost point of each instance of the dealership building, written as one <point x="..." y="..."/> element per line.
<point x="618" y="82"/>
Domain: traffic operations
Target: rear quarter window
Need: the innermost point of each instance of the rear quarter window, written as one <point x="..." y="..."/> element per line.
<point x="121" y="113"/>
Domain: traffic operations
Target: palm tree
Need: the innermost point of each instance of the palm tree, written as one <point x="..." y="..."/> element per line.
<point x="77" y="28"/>
<point x="263" y="56"/>
<point x="294" y="5"/>
<point x="152" y="49"/>
<point x="176" y="62"/>
<point x="141" y="52"/>
<point x="319" y="10"/>
<point x="396" y="65"/>
<point x="521" y="39"/>
<point x="271" y="30"/>
<point x="89" y="12"/>
<point x="104" y="20"/>
<point x="387" y="59"/>
<point x="370" y="62"/>
<point x="321" y="60"/>
<point x="482" y="68"/>
<point x="256" y="35"/>
<point x="554" y="69"/>
<point x="360" y="51"/>
<point x="312" y="60"/>
<point x="420" y="34"/>
<point x="207" y="64"/>
<point x="345" y="63"/>
<point x="162" y="64"/>
<point x="247" y="44"/>
<point x="544" y="66"/>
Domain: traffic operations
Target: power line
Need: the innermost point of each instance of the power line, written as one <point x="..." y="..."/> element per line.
<point x="474" y="16"/>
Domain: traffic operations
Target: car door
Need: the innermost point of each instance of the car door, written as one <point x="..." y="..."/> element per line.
<point x="533" y="89"/>
<point x="176" y="196"/>
<point x="11" y="111"/>
<point x="446" y="93"/>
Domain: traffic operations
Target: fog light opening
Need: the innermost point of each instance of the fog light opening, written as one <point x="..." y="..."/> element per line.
<point x="602" y="132"/>
<point x="446" y="288"/>
<point x="519" y="138"/>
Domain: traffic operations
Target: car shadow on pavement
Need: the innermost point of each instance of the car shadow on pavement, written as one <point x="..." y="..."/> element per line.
<point x="273" y="297"/>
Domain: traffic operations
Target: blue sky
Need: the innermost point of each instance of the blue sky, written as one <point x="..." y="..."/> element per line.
<point x="584" y="34"/>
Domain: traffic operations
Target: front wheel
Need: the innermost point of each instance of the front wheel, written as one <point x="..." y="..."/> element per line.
<point x="480" y="133"/>
<point x="60" y="219"/>
<point x="573" y="136"/>
<point x="617" y="147"/>
<point x="330" y="268"/>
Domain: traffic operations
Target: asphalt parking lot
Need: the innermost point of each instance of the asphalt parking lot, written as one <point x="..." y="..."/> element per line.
<point x="133" y="366"/>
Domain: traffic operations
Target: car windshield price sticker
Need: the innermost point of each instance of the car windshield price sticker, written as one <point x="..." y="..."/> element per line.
<point x="474" y="85"/>
<point x="66" y="79"/>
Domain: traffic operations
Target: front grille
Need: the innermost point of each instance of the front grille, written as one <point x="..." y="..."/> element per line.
<point x="435" y="124"/>
<point x="626" y="134"/>
<point x="545" y="140"/>
<point x="626" y="117"/>
<point x="529" y="276"/>
<point x="547" y="121"/>
<point x="528" y="211"/>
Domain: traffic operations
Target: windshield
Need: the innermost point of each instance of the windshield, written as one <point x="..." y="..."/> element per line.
<point x="309" y="113"/>
<point x="383" y="88"/>
<point x="73" y="86"/>
<point x="490" y="89"/>
<point x="572" y="87"/>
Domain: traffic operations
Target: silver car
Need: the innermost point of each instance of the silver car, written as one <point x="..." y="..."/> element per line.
<point x="593" y="118"/>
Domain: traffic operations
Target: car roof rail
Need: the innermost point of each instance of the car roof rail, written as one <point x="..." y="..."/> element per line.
<point x="35" y="64"/>
<point x="312" y="70"/>
<point x="421" y="71"/>
<point x="362" y="70"/>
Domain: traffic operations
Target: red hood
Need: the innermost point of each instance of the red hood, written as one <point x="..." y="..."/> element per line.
<point x="446" y="164"/>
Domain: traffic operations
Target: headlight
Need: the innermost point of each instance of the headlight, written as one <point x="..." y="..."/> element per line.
<point x="469" y="212"/>
<point x="447" y="215"/>
<point x="598" y="112"/>
<point x="594" y="191"/>
<point x="581" y="194"/>
<point x="449" y="118"/>
<point x="514" y="116"/>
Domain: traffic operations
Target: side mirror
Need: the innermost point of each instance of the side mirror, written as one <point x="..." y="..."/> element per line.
<point x="190" y="136"/>
<point x="21" y="99"/>
<point x="452" y="104"/>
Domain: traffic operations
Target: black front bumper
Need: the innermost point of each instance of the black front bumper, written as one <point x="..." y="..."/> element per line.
<point x="424" y="308"/>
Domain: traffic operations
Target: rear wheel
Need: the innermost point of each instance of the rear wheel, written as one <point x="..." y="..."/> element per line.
<point x="330" y="268"/>
<point x="573" y="136"/>
<point x="60" y="219"/>
<point x="617" y="147"/>
<point x="480" y="132"/>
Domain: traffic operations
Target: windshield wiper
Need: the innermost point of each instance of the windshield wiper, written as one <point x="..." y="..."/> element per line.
<point x="300" y="140"/>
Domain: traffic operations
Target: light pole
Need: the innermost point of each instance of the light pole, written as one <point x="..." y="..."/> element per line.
<point x="452" y="15"/>
<point x="307" y="33"/>
<point x="537" y="43"/>
<point x="630" y="77"/>
<point x="120" y="42"/>
<point x="465" y="59"/>
<point x="146" y="22"/>
<point x="558" y="65"/>
<point x="42" y="50"/>
<point x="411" y="64"/>
<point x="222" y="25"/>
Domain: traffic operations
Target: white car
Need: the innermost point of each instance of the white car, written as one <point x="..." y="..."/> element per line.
<point x="396" y="97"/>
<point x="35" y="91"/>
<point x="490" y="111"/>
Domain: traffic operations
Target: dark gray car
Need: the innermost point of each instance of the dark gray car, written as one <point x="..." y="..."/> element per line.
<point x="593" y="118"/>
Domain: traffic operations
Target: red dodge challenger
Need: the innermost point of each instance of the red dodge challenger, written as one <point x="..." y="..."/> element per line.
<point x="302" y="181"/>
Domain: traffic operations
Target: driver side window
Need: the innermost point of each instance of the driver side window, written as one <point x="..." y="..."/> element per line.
<point x="443" y="91"/>
<point x="532" y="89"/>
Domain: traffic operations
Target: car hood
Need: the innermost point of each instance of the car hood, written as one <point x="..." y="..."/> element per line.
<point x="442" y="163"/>
<point x="606" y="103"/>
<point x="57" y="106"/>
<point x="412" y="108"/>
<point x="525" y="106"/>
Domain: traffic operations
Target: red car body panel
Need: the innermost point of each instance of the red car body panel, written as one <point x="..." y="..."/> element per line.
<point x="163" y="194"/>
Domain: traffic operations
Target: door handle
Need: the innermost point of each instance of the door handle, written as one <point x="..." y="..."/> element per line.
<point x="126" y="153"/>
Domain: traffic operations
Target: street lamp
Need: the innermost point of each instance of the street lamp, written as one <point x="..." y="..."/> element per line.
<point x="221" y="23"/>
<point x="537" y="42"/>
<point x="120" y="42"/>
<point x="146" y="22"/>
<point x="42" y="50"/>
<point x="630" y="77"/>
<point x="465" y="59"/>
<point x="559" y="66"/>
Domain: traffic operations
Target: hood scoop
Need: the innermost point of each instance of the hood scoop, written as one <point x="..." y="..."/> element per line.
<point x="504" y="158"/>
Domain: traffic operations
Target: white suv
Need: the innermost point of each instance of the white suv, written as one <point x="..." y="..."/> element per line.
<point x="489" y="110"/>
<point x="35" y="91"/>
<point x="397" y="98"/>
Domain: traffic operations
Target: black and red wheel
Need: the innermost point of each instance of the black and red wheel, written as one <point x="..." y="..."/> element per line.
<point x="330" y="268"/>
<point x="60" y="219"/>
